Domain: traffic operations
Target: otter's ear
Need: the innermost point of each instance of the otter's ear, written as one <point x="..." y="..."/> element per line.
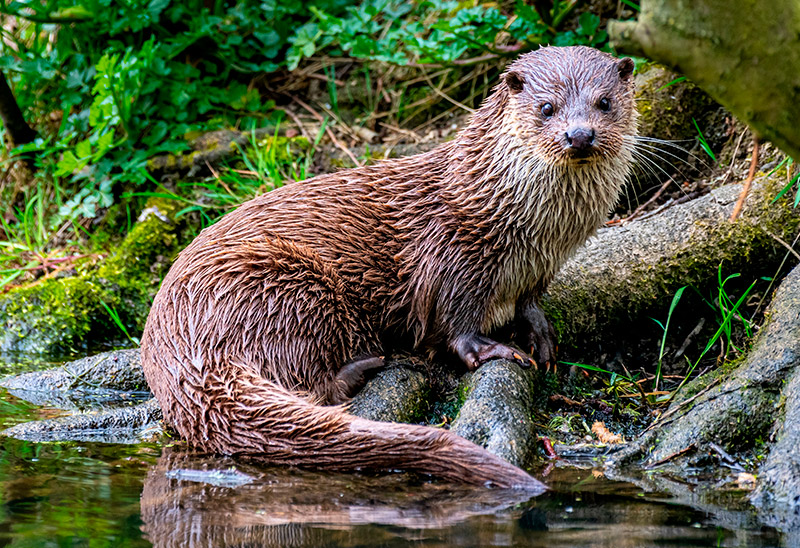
<point x="625" y="67"/>
<point x="514" y="82"/>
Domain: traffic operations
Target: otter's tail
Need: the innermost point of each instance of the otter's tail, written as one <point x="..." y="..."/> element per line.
<point x="240" y="413"/>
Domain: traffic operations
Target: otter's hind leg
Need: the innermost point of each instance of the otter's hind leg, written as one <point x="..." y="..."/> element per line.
<point x="309" y="331"/>
<point x="353" y="376"/>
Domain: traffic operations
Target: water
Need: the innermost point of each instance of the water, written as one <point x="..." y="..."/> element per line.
<point x="97" y="495"/>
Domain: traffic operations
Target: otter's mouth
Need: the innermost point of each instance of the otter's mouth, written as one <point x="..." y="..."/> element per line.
<point x="581" y="157"/>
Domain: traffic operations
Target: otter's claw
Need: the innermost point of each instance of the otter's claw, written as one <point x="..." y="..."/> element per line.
<point x="534" y="331"/>
<point x="475" y="350"/>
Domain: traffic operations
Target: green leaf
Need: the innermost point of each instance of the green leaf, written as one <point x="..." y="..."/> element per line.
<point x="271" y="41"/>
<point x="104" y="143"/>
<point x="83" y="149"/>
<point x="156" y="7"/>
<point x="588" y="23"/>
<point x="308" y="49"/>
<point x="67" y="165"/>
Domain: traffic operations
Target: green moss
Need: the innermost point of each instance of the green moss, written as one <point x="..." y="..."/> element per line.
<point x="556" y="317"/>
<point x="449" y="407"/>
<point x="594" y="314"/>
<point x="666" y="110"/>
<point x="145" y="243"/>
<point x="286" y="148"/>
<point x="42" y="317"/>
<point x="57" y="315"/>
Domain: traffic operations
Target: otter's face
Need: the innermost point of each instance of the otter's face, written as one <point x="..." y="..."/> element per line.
<point x="574" y="105"/>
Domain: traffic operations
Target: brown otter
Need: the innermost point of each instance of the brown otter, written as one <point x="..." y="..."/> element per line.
<point x="276" y="311"/>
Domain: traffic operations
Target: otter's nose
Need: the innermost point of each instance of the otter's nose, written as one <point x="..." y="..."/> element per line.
<point x="580" y="138"/>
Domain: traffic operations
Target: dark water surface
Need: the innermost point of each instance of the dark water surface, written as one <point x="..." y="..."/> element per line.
<point x="95" y="495"/>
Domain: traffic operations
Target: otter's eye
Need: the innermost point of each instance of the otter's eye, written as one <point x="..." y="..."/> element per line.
<point x="548" y="110"/>
<point x="604" y="104"/>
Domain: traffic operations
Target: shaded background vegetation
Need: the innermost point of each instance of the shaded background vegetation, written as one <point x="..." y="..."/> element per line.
<point x="107" y="85"/>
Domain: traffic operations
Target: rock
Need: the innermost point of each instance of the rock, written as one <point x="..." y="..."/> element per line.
<point x="134" y="424"/>
<point x="119" y="370"/>
<point x="632" y="271"/>
<point x="396" y="394"/>
<point x="111" y="385"/>
<point x="733" y="409"/>
<point x="62" y="314"/>
<point x="497" y="411"/>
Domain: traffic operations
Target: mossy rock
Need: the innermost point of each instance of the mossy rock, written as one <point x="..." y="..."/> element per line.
<point x="669" y="107"/>
<point x="215" y="147"/>
<point x="633" y="271"/>
<point x="667" y="104"/>
<point x="63" y="314"/>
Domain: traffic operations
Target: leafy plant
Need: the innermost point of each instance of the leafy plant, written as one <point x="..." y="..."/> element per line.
<point x="108" y="84"/>
<point x="665" y="328"/>
<point x="24" y="240"/>
<point x="730" y="312"/>
<point x="703" y="143"/>
<point x="792" y="181"/>
<point x="399" y="32"/>
<point x="588" y="32"/>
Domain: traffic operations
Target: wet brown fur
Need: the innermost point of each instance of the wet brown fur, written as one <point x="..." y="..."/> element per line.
<point x="258" y="315"/>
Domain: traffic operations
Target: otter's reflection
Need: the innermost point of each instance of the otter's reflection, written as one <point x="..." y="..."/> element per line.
<point x="192" y="500"/>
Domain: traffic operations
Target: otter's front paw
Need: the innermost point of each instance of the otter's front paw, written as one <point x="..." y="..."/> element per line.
<point x="476" y="350"/>
<point x="535" y="331"/>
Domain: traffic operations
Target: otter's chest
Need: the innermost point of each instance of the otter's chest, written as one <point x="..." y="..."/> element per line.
<point x="536" y="257"/>
<point x="517" y="275"/>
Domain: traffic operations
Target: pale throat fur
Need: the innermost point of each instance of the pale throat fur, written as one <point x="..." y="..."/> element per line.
<point x="558" y="202"/>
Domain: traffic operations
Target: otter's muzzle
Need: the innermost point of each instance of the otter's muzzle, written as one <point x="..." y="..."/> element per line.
<point x="580" y="140"/>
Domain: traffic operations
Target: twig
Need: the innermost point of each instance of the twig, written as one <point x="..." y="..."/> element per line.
<point x="323" y="78"/>
<point x="689" y="338"/>
<point x="683" y="451"/>
<point x="407" y="132"/>
<point x="419" y="79"/>
<point x="215" y="174"/>
<point x="733" y="158"/>
<point x="655" y="393"/>
<point x="673" y="410"/>
<point x="445" y="113"/>
<point x="748" y="183"/>
<point x="443" y="95"/>
<point x="725" y="457"/>
<point x="784" y="244"/>
<point x="652" y="199"/>
<point x="328" y="131"/>
<point x="668" y="204"/>
<point x="772" y="280"/>
<point x="559" y="398"/>
<point x="429" y="98"/>
<point x="296" y="119"/>
<point x="462" y="62"/>
<point x="638" y="387"/>
<point x="344" y="128"/>
<point x="48" y="262"/>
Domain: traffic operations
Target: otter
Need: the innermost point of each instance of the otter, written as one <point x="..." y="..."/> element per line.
<point x="275" y="314"/>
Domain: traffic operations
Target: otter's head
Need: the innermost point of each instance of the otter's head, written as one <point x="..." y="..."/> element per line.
<point x="575" y="105"/>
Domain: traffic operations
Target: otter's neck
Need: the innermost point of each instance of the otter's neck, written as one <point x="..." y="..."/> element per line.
<point x="529" y="206"/>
